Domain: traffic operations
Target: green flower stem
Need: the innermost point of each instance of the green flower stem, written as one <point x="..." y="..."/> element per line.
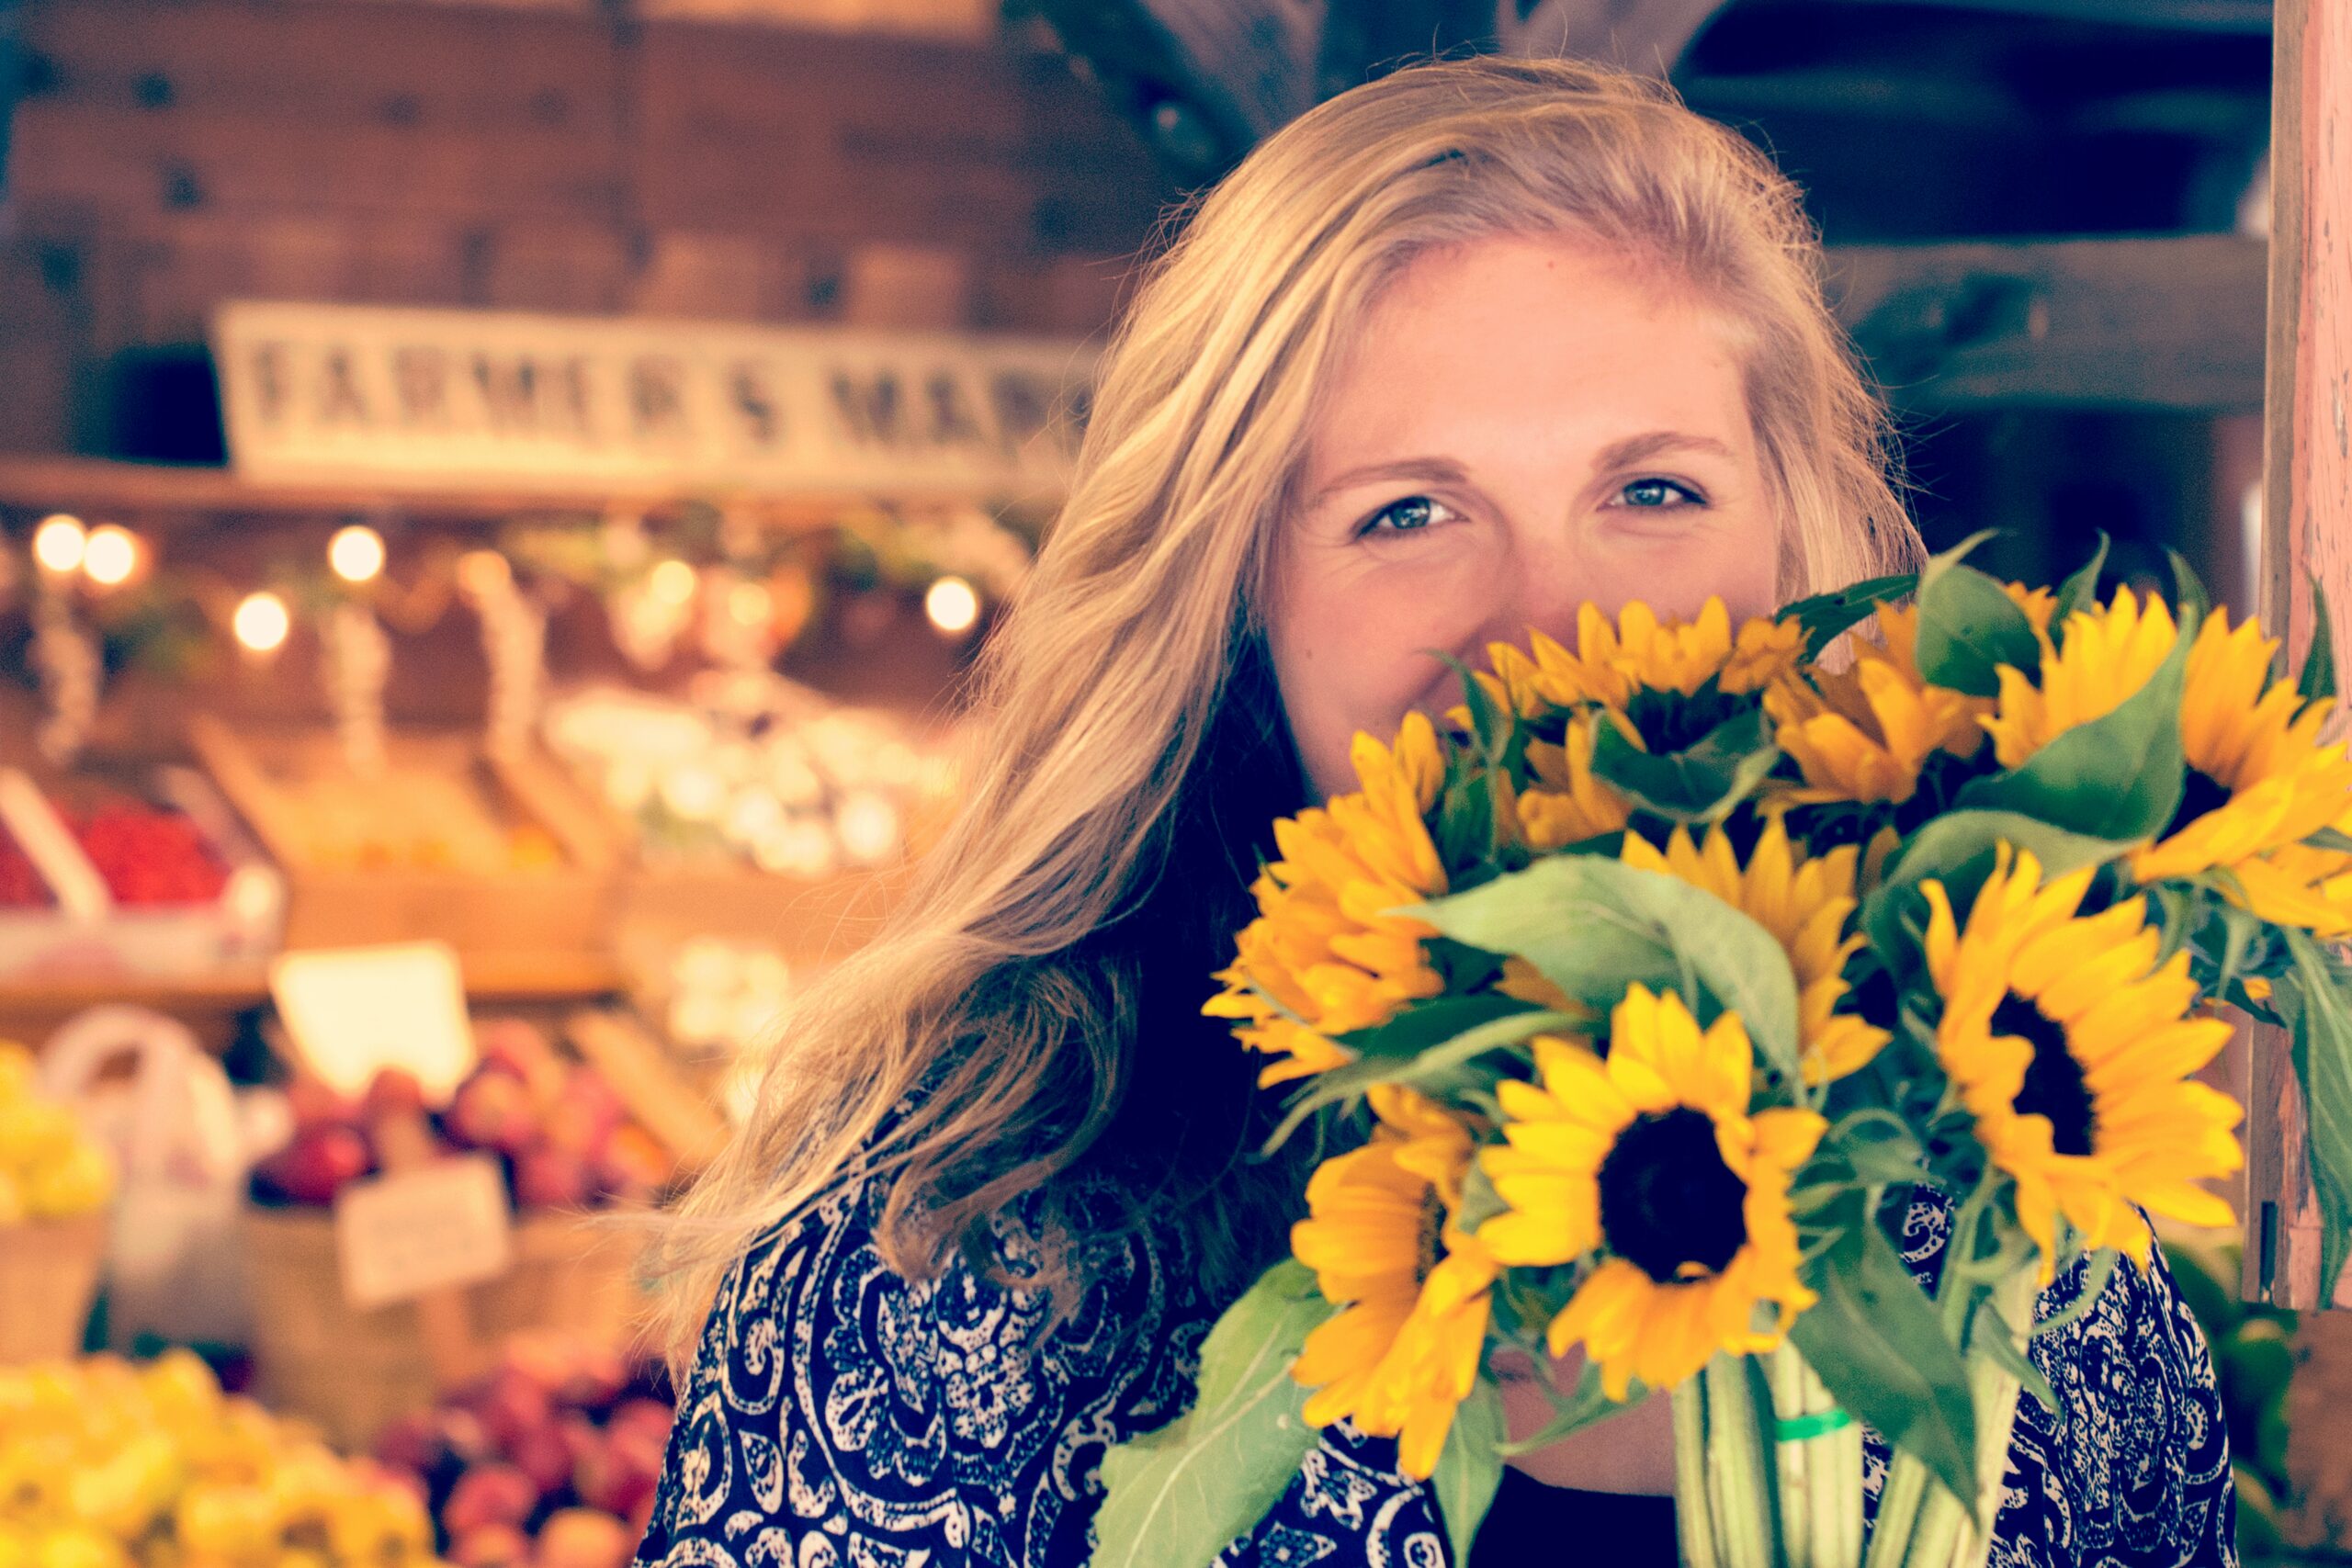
<point x="1693" y="1509"/>
<point x="1736" y="1466"/>
<point x="1920" y="1525"/>
<point x="1818" y="1448"/>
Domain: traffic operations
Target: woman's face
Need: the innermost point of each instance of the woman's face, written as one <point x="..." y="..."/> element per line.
<point x="1524" y="424"/>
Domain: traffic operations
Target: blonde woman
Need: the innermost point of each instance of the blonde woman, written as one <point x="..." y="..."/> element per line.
<point x="1450" y="354"/>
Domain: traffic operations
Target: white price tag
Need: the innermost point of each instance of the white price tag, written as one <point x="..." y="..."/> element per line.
<point x="443" y="1226"/>
<point x="352" y="1011"/>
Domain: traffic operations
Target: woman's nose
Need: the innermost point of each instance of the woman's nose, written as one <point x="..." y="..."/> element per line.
<point x="1545" y="584"/>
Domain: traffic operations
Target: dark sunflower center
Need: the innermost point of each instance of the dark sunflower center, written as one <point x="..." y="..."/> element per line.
<point x="2054" y="1084"/>
<point x="1430" y="1245"/>
<point x="2201" y="793"/>
<point x="1668" y="721"/>
<point x="1666" y="1198"/>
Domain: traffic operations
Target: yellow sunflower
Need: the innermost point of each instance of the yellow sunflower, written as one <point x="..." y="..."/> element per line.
<point x="1403" y="1353"/>
<point x="1864" y="732"/>
<point x="2259" y="782"/>
<point x="1803" y="903"/>
<point x="1642" y="652"/>
<point x="1323" y="957"/>
<point x="2072" y="1048"/>
<point x="1652" y="1157"/>
<point x="1563" y="802"/>
<point x="2107" y="654"/>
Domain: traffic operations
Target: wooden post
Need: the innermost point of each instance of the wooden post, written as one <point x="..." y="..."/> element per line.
<point x="2307" y="527"/>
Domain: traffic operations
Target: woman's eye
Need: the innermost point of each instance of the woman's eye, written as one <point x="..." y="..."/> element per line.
<point x="1406" y="516"/>
<point x="1658" y="493"/>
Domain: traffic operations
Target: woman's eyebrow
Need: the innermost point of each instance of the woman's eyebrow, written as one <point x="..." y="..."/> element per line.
<point x="1434" y="470"/>
<point x="1635" y="448"/>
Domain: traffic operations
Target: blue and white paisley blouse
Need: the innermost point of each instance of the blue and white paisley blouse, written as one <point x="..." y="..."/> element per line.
<point x="841" y="1416"/>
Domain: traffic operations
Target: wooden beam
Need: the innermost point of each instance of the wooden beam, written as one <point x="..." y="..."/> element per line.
<point x="2307" y="531"/>
<point x="2160" y="323"/>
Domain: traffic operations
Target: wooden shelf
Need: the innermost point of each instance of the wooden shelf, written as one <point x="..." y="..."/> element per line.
<point x="522" y="978"/>
<point x="158" y="492"/>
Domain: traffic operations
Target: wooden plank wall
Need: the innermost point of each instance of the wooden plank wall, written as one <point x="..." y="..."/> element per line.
<point x="170" y="153"/>
<point x="2307" y="534"/>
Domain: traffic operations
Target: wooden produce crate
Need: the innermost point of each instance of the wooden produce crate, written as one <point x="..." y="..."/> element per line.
<point x="48" y="1276"/>
<point x="353" y="1370"/>
<point x="450" y="841"/>
<point x="87" y="931"/>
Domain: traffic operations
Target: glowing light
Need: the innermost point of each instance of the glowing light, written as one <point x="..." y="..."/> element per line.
<point x="483" y="572"/>
<point x="672" y="581"/>
<point x="952" y="605"/>
<point x="58" y="543"/>
<point x="356" y="553"/>
<point x="868" y="827"/>
<point x="261" y="621"/>
<point x="752" y="604"/>
<point x="110" y="556"/>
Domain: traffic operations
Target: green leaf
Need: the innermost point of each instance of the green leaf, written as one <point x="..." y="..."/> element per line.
<point x="2333" y="839"/>
<point x="1969" y="626"/>
<point x="1470" y="1468"/>
<point x="1489" y="724"/>
<point x="1701" y="783"/>
<point x="2317" y="683"/>
<point x="1878" y="1148"/>
<point x="2324" y="1067"/>
<point x="1877" y="1345"/>
<point x="1594" y="927"/>
<point x="1176" y="1497"/>
<point x="2080" y="590"/>
<point x="2192" y="603"/>
<point x="2010" y="1357"/>
<point x="1958" y="850"/>
<point x="1585" y="1404"/>
<point x="1431" y="1065"/>
<point x="1434" y="1022"/>
<point x="2119" y="776"/>
<point x="1824" y="617"/>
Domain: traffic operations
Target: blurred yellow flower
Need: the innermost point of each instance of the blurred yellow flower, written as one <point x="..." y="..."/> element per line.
<point x="2109" y="653"/>
<point x="1803" y="903"/>
<point x="1863" y="733"/>
<point x="1324" y="957"/>
<point x="1404" y="1351"/>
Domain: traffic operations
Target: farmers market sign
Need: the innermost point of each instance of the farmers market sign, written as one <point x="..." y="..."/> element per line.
<point x="463" y="400"/>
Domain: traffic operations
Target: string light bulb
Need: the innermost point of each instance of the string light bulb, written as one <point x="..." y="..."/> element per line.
<point x="59" y="543"/>
<point x="750" y="603"/>
<point x="110" y="555"/>
<point x="672" y="581"/>
<point x="261" y="621"/>
<point x="953" y="605"/>
<point x="356" y="553"/>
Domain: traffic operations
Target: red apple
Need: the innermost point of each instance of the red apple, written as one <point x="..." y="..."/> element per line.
<point x="317" y="1163"/>
<point x="583" y="1537"/>
<point x="412" y="1443"/>
<point x="513" y="1407"/>
<point x="488" y="1494"/>
<point x="584" y="1113"/>
<point x="552" y="1178"/>
<point x="633" y="1165"/>
<point x="463" y="1435"/>
<point x="544" y="1454"/>
<point x="493" y="1111"/>
<point x="595" y="1380"/>
<point x="490" y="1546"/>
<point x="642" y="1418"/>
<point x="617" y="1473"/>
<point x="640" y="1521"/>
<point x="519" y="1047"/>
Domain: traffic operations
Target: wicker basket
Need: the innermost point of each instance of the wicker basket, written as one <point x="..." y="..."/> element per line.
<point x="352" y="1371"/>
<point x="48" y="1276"/>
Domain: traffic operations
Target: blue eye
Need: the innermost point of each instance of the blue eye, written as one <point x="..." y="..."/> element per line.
<point x="1409" y="515"/>
<point x="1651" y="494"/>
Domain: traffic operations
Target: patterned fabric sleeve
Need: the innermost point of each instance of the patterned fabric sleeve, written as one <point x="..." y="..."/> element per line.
<point x="839" y="1416"/>
<point x="2132" y="1470"/>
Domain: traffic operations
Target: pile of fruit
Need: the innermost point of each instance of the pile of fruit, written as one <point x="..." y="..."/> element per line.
<point x="550" y="1461"/>
<point x="148" y="856"/>
<point x="106" y="1464"/>
<point x="50" y="1168"/>
<point x="564" y="1137"/>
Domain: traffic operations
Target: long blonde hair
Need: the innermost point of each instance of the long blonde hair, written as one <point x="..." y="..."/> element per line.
<point x="1123" y="698"/>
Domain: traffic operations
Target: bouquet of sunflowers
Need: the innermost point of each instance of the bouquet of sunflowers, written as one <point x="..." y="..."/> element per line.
<point x="1635" y="1005"/>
